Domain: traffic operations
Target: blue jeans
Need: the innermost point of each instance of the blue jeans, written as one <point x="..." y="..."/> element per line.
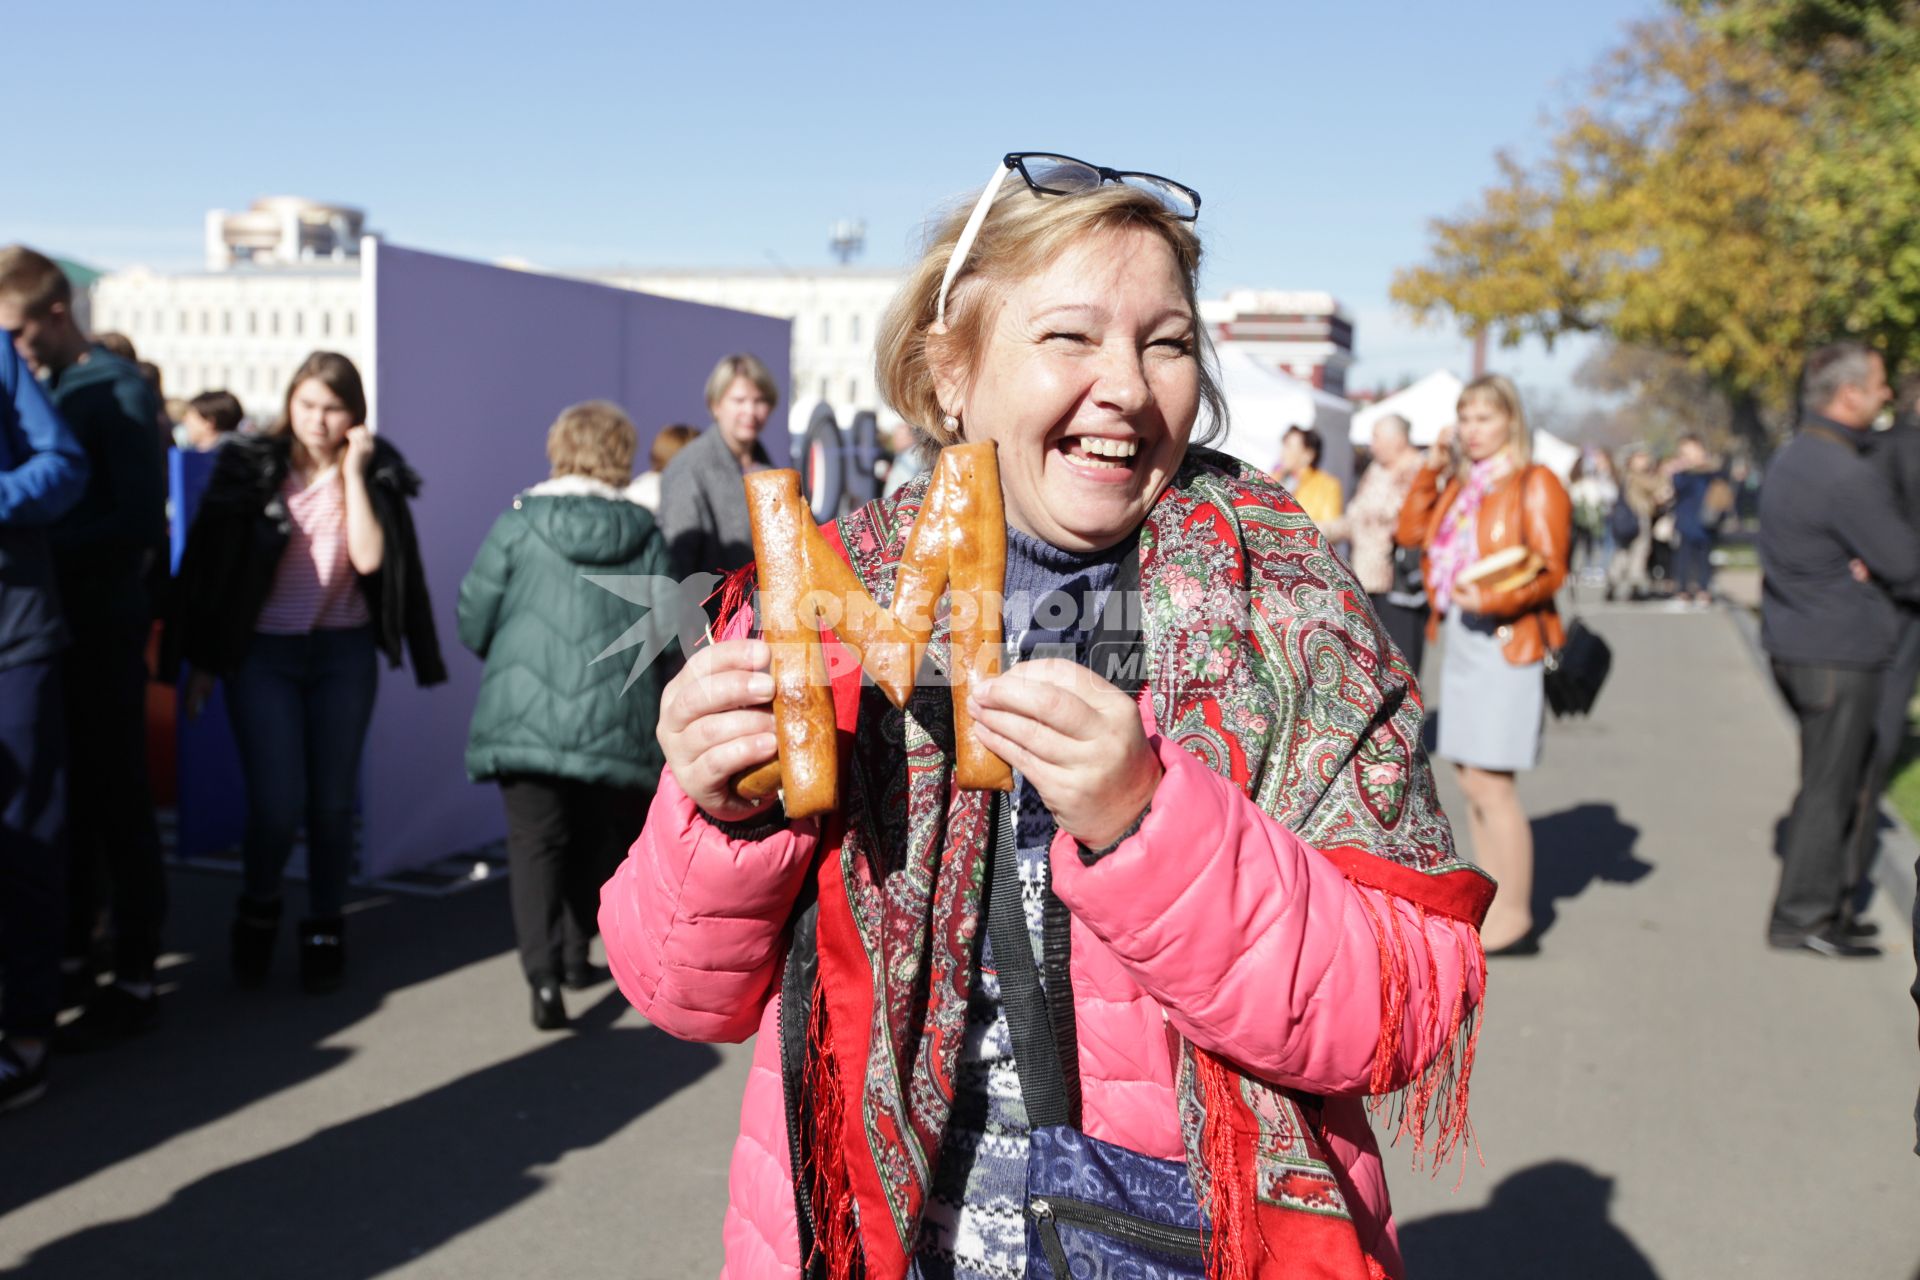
<point x="1693" y="564"/>
<point x="33" y="844"/>
<point x="300" y="706"/>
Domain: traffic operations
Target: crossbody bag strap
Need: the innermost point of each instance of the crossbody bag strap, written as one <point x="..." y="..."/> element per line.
<point x="1036" y="1050"/>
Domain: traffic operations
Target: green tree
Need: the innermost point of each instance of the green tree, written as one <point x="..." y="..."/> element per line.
<point x="1741" y="181"/>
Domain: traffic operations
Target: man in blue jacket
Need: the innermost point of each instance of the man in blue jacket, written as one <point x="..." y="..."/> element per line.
<point x="1836" y="554"/>
<point x="103" y="549"/>
<point x="43" y="472"/>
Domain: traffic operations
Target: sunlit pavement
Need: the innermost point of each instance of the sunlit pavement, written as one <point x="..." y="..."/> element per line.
<point x="1657" y="1094"/>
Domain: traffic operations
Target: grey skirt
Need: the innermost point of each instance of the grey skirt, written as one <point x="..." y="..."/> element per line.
<point x="1490" y="710"/>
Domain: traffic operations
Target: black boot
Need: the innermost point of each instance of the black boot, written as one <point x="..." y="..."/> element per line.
<point x="255" y="926"/>
<point x="323" y="953"/>
<point x="549" y="1010"/>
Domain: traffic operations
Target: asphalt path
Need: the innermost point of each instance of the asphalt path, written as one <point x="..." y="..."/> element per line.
<point x="1657" y="1094"/>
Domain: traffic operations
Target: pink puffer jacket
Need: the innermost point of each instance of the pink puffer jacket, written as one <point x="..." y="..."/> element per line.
<point x="1213" y="918"/>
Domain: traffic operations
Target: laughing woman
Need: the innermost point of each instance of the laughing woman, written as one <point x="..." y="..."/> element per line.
<point x="1224" y="906"/>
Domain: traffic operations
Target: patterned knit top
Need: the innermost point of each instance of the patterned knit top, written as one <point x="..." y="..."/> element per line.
<point x="974" y="1226"/>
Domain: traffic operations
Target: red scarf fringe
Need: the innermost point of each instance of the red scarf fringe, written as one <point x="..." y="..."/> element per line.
<point x="1432" y="1107"/>
<point x="836" y="1231"/>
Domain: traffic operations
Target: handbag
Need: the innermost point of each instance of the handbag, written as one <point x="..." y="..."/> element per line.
<point x="1093" y="1208"/>
<point x="1409" y="589"/>
<point x="1622" y="523"/>
<point x="1577" y="669"/>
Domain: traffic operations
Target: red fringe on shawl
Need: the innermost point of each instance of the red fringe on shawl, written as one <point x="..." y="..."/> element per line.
<point x="735" y="592"/>
<point x="1433" y="1105"/>
<point x="829" y="1187"/>
<point x="1252" y="1241"/>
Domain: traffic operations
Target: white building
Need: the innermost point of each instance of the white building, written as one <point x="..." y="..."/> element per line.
<point x="836" y="314"/>
<point x="284" y="280"/>
<point x="287" y="230"/>
<point x="1305" y="334"/>
<point x="243" y="330"/>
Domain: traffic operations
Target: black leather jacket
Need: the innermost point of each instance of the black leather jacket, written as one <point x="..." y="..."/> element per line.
<point x="233" y="549"/>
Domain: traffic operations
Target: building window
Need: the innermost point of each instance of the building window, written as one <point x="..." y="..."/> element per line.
<point x="826" y="392"/>
<point x="206" y="322"/>
<point x="326" y="324"/>
<point x="826" y="329"/>
<point x="183" y="324"/>
<point x="297" y="325"/>
<point x="226" y="323"/>
<point x="854" y="321"/>
<point x="348" y="322"/>
<point x="273" y="323"/>
<point x="253" y="323"/>
<point x="853" y="391"/>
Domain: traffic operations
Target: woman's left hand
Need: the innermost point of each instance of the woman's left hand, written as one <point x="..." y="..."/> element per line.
<point x="359" y="449"/>
<point x="1077" y="738"/>
<point x="1467" y="599"/>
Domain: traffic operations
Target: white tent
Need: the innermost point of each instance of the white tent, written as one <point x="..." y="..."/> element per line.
<point x="1427" y="405"/>
<point x="1431" y="404"/>
<point x="1264" y="403"/>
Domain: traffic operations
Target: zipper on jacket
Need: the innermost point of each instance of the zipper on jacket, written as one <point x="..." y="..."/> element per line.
<point x="796" y="1007"/>
<point x="1174" y="1242"/>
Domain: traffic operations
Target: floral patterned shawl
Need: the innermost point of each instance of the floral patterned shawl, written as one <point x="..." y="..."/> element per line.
<point x="1289" y="689"/>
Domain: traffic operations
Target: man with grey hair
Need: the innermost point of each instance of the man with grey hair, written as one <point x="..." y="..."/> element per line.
<point x="1836" y="553"/>
<point x="1391" y="582"/>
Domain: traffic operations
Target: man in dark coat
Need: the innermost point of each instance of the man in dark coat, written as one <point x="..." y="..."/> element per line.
<point x="43" y="472"/>
<point x="103" y="550"/>
<point x="1836" y="553"/>
<point x="1896" y="452"/>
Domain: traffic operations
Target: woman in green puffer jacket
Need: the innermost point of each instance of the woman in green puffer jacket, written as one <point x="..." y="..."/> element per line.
<point x="569" y="738"/>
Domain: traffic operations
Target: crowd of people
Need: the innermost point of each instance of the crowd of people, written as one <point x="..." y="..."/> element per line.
<point x="1648" y="529"/>
<point x="1065" y="987"/>
<point x="300" y="571"/>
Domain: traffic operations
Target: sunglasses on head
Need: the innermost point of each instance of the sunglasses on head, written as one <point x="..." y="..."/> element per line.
<point x="1047" y="174"/>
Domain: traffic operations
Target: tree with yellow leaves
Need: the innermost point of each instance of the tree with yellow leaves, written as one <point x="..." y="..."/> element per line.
<point x="1737" y="186"/>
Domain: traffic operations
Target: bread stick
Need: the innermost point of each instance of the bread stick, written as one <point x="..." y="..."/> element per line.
<point x="957" y="547"/>
<point x="977" y="558"/>
<point x="802" y="698"/>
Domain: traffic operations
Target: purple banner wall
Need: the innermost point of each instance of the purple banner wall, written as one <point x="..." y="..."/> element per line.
<point x="471" y="364"/>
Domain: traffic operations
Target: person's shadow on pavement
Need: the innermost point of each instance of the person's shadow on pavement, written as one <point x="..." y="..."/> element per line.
<point x="1548" y="1220"/>
<point x="1576" y="847"/>
<point x="370" y="1194"/>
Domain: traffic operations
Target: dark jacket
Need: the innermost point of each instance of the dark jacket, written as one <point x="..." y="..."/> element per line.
<point x="238" y="536"/>
<point x="703" y="508"/>
<point x="1824" y="505"/>
<point x="1690" y="517"/>
<point x="548" y="702"/>
<point x="104" y="546"/>
<point x="43" y="472"/>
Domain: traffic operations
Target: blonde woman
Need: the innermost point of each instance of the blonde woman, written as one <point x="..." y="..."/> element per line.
<point x="1221" y="869"/>
<point x="1498" y="628"/>
<point x="570" y="743"/>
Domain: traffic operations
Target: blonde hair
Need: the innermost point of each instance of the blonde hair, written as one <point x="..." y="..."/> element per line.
<point x="1498" y="389"/>
<point x="1022" y="234"/>
<point x="596" y="440"/>
<point x="742" y="365"/>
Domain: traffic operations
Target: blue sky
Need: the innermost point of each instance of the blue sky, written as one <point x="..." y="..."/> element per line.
<point x="1321" y="136"/>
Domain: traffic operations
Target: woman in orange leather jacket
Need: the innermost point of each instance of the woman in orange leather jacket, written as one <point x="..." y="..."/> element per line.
<point x="1499" y="628"/>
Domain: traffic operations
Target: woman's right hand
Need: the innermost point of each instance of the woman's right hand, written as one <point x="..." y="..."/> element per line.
<point x="716" y="722"/>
